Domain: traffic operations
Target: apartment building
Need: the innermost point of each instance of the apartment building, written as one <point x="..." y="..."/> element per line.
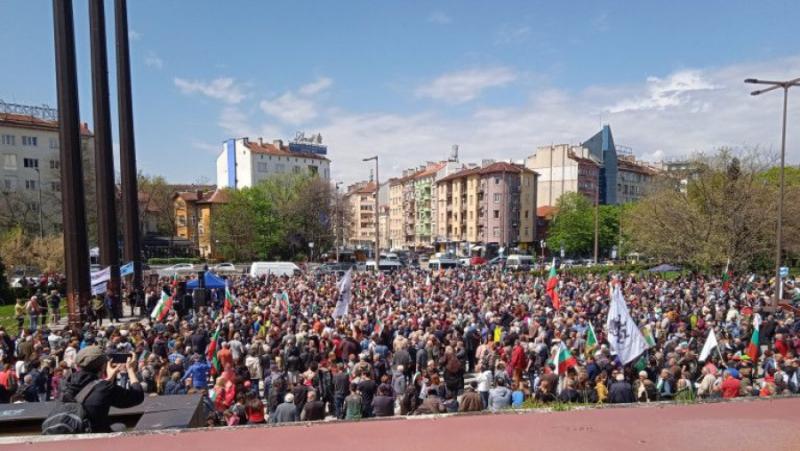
<point x="360" y="199"/>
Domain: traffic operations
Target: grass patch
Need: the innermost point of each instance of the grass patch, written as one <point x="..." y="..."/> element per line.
<point x="9" y="322"/>
<point x="556" y="406"/>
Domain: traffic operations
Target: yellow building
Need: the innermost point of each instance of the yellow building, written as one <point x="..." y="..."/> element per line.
<point x="194" y="212"/>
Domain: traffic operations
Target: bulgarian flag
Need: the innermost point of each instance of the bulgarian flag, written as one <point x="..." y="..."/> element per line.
<point x="229" y="299"/>
<point x="552" y="286"/>
<point x="753" y="348"/>
<point x="378" y="326"/>
<point x="591" y="339"/>
<point x="563" y="359"/>
<point x="211" y="353"/>
<point x="163" y="307"/>
<point x="647" y="332"/>
<point x="726" y="278"/>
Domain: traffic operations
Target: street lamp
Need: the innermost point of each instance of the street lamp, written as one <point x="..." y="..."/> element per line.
<point x="377" y="227"/>
<point x="39" y="184"/>
<point x="338" y="217"/>
<point x="773" y="85"/>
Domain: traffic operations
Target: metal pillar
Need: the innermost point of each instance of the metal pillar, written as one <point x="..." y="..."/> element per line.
<point x="127" y="150"/>
<point x="103" y="154"/>
<point x="76" y="250"/>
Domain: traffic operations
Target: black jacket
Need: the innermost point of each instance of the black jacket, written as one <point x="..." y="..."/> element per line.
<point x="104" y="396"/>
<point x="620" y="392"/>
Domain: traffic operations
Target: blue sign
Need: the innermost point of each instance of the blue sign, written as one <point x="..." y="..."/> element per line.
<point x="784" y="272"/>
<point x="126" y="269"/>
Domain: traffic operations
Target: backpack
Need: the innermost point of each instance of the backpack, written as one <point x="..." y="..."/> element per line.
<point x="70" y="417"/>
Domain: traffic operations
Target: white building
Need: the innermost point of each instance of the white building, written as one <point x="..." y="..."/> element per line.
<point x="243" y="163"/>
<point x="30" y="168"/>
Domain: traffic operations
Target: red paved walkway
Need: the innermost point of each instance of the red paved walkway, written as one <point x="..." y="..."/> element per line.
<point x="768" y="425"/>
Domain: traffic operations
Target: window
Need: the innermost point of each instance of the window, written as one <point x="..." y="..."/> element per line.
<point x="496" y="232"/>
<point x="8" y="140"/>
<point x="10" y="184"/>
<point x="10" y="162"/>
<point x="526" y="231"/>
<point x="33" y="206"/>
<point x="262" y="167"/>
<point x="55" y="164"/>
<point x="497" y="180"/>
<point x="526" y="214"/>
<point x="30" y="162"/>
<point x="29" y="141"/>
<point x="280" y="167"/>
<point x="497" y="197"/>
<point x="497" y="213"/>
<point x="54" y="143"/>
<point x="30" y="184"/>
<point x="55" y="186"/>
<point x="296" y="169"/>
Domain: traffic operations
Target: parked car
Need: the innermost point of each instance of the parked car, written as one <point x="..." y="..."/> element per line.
<point x="178" y="268"/>
<point x="258" y="269"/>
<point x="519" y="262"/>
<point x="334" y="268"/>
<point x="384" y="265"/>
<point x="442" y="263"/>
<point x="224" y="267"/>
<point x="477" y="261"/>
<point x="497" y="261"/>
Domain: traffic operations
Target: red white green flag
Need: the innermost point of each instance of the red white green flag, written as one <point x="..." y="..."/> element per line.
<point x="552" y="286"/>
<point x="211" y="352"/>
<point x="753" y="347"/>
<point x="229" y="299"/>
<point x="379" y="326"/>
<point x="591" y="340"/>
<point x="163" y="307"/>
<point x="563" y="359"/>
<point x="726" y="278"/>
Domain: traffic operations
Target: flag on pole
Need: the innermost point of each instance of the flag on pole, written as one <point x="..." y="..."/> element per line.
<point x="229" y="299"/>
<point x="345" y="294"/>
<point x="552" y="286"/>
<point x="753" y="347"/>
<point x="211" y="352"/>
<point x="498" y="334"/>
<point x="647" y="332"/>
<point x="378" y="326"/>
<point x="726" y="277"/>
<point x="563" y="360"/>
<point x="428" y="280"/>
<point x="711" y="343"/>
<point x="624" y="338"/>
<point x="163" y="307"/>
<point x="591" y="339"/>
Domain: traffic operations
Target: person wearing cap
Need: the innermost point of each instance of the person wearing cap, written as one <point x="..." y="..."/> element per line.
<point x="92" y="364"/>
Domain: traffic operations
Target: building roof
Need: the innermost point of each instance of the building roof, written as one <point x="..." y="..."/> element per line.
<point x="219" y="196"/>
<point x="367" y="188"/>
<point x="283" y="151"/>
<point x="459" y="174"/>
<point x="502" y="166"/>
<point x="546" y="211"/>
<point x="573" y="156"/>
<point x="32" y="122"/>
<point x="624" y="164"/>
<point x="429" y="171"/>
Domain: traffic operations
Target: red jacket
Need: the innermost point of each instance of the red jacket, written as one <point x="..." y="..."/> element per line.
<point x="518" y="358"/>
<point x="730" y="387"/>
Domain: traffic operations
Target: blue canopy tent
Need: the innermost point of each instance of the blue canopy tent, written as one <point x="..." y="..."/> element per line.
<point x="212" y="280"/>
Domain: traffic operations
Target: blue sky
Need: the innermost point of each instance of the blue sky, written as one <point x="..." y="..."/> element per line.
<point x="408" y="79"/>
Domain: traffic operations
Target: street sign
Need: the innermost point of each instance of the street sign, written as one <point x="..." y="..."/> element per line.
<point x="784" y="272"/>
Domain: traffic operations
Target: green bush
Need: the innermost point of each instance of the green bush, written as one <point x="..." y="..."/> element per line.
<point x="173" y="261"/>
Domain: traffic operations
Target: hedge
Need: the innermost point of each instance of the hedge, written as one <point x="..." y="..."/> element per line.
<point x="173" y="261"/>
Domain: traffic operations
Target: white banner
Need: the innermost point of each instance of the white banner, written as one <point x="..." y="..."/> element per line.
<point x="345" y="293"/>
<point x="624" y="337"/>
<point x="100" y="288"/>
<point x="101" y="276"/>
<point x="711" y="343"/>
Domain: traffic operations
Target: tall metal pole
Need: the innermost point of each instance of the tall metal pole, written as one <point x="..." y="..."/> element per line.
<point x="41" y="221"/>
<point x="127" y="150"/>
<point x="73" y="210"/>
<point x="778" y="281"/>
<point x="596" y="220"/>
<point x="103" y="154"/>
<point x="377" y="216"/>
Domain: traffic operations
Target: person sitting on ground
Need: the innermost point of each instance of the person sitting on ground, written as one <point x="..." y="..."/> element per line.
<point x="471" y="401"/>
<point x="500" y="396"/>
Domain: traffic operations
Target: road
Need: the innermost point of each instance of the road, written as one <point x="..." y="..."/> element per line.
<point x="767" y="424"/>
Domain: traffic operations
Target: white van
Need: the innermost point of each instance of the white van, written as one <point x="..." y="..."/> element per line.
<point x="443" y="263"/>
<point x="518" y="261"/>
<point x="258" y="269"/>
<point x="384" y="265"/>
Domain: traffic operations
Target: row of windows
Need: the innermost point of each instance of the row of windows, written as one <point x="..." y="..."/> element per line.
<point x="10" y="184"/>
<point x="10" y="163"/>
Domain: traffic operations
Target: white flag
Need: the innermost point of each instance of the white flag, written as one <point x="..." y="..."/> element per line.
<point x="624" y="337"/>
<point x="345" y="293"/>
<point x="711" y="343"/>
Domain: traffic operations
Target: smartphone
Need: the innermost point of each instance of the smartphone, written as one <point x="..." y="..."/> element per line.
<point x="118" y="357"/>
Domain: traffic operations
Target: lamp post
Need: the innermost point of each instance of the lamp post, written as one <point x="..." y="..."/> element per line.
<point x="338" y="218"/>
<point x="377" y="227"/>
<point x="773" y="85"/>
<point x="39" y="185"/>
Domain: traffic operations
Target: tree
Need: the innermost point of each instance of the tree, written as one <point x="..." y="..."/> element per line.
<point x="727" y="212"/>
<point x="234" y="228"/>
<point x="573" y="226"/>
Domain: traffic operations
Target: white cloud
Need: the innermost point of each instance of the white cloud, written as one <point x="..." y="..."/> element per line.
<point x="663" y="93"/>
<point x="512" y="35"/>
<point x="153" y="60"/>
<point x="297" y="107"/>
<point x="316" y="87"/>
<point x="224" y="89"/>
<point x="134" y="35"/>
<point x="439" y="17"/>
<point x="463" y="86"/>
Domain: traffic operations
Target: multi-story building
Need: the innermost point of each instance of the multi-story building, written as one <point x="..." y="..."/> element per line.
<point x="243" y="163"/>
<point x="633" y="178"/>
<point x="30" y="168"/>
<point x="491" y="204"/>
<point x="425" y="204"/>
<point x="360" y="198"/>
<point x="395" y="236"/>
<point x="564" y="168"/>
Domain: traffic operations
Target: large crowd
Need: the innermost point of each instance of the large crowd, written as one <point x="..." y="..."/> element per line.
<point x="414" y="342"/>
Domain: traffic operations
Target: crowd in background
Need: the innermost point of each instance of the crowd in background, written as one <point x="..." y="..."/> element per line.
<point x="414" y="342"/>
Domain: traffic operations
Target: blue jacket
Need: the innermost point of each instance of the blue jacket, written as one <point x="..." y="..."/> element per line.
<point x="198" y="371"/>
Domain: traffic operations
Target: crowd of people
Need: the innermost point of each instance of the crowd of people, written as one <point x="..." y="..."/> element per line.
<point x="415" y="342"/>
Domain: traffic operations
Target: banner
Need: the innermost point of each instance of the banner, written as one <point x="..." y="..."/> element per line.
<point x="101" y="276"/>
<point x="100" y="288"/>
<point x="345" y="293"/>
<point x="624" y="337"/>
<point x="711" y="343"/>
<point x="126" y="269"/>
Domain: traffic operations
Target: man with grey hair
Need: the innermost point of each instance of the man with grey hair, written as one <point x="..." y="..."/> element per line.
<point x="285" y="412"/>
